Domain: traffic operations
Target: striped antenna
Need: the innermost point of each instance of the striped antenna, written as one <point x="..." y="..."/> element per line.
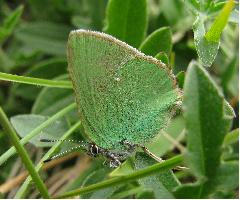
<point x="82" y="145"/>
<point x="58" y="140"/>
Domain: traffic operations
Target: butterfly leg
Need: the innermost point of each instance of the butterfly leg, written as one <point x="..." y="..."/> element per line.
<point x="131" y="147"/>
<point x="114" y="159"/>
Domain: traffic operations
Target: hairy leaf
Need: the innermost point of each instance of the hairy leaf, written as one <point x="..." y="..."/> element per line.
<point x="207" y="122"/>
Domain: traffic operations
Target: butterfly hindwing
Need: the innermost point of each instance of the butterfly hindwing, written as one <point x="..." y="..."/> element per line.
<point x="120" y="92"/>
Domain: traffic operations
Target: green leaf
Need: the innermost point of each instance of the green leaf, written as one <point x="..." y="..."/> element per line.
<point x="228" y="74"/>
<point x="10" y="23"/>
<point x="47" y="69"/>
<point x="127" y="20"/>
<point x="124" y="169"/>
<point x="53" y="131"/>
<point x="97" y="12"/>
<point x="127" y="193"/>
<point x="180" y="79"/>
<point x="158" y="41"/>
<point x="5" y="61"/>
<point x="162" y="142"/>
<point x="96" y="164"/>
<point x="206" y="126"/>
<point x="214" y="33"/>
<point x="227" y="178"/>
<point x="177" y="15"/>
<point x="193" y="4"/>
<point x="205" y="121"/>
<point x="161" y="184"/>
<point x="57" y="99"/>
<point x="225" y="182"/>
<point x="22" y="191"/>
<point x="206" y="50"/>
<point x="81" y="22"/>
<point x="95" y="177"/>
<point x="163" y="57"/>
<point x="46" y="37"/>
<point x="231" y="137"/>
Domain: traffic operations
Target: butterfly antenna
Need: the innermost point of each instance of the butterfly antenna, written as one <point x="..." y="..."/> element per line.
<point x="83" y="145"/>
<point x="65" y="152"/>
<point x="59" y="140"/>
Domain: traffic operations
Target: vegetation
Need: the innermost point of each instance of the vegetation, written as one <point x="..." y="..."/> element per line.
<point x="198" y="40"/>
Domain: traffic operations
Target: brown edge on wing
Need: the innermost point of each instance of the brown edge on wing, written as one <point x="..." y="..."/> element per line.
<point x="131" y="50"/>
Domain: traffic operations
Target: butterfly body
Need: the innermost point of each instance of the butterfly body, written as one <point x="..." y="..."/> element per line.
<point x="121" y="93"/>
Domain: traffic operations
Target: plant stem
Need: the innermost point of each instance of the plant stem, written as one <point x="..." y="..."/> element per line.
<point x="22" y="191"/>
<point x="35" y="81"/>
<point x="23" y="154"/>
<point x="156" y="168"/>
<point x="36" y="131"/>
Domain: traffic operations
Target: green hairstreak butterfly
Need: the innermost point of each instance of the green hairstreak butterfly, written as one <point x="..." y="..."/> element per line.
<point x="121" y="94"/>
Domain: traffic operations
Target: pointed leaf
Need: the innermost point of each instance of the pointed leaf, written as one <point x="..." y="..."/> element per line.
<point x="127" y="20"/>
<point x="158" y="41"/>
<point x="207" y="50"/>
<point x="220" y="22"/>
<point x="206" y="125"/>
<point x="161" y="184"/>
<point x="231" y="137"/>
<point x="10" y="22"/>
<point x="180" y="79"/>
<point x="46" y="37"/>
<point x="163" y="58"/>
<point x="53" y="131"/>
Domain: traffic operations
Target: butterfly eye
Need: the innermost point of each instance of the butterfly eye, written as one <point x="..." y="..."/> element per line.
<point x="94" y="149"/>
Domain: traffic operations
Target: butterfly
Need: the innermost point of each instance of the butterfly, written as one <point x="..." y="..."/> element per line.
<point x="124" y="98"/>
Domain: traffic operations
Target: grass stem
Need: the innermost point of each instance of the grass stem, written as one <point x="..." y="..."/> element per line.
<point x="23" y="154"/>
<point x="156" y="168"/>
<point x="36" y="131"/>
<point x="35" y="81"/>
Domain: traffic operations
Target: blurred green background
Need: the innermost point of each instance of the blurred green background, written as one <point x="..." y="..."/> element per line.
<point x="33" y="38"/>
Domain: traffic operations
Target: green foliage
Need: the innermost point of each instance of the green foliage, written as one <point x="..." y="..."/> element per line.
<point x="207" y="43"/>
<point x="231" y="137"/>
<point x="23" y="127"/>
<point x="202" y="122"/>
<point x="9" y="23"/>
<point x="37" y="95"/>
<point x="220" y="22"/>
<point x="41" y="36"/>
<point x="207" y="124"/>
<point x="163" y="58"/>
<point x="127" y="20"/>
<point x="158" y="41"/>
<point x="161" y="184"/>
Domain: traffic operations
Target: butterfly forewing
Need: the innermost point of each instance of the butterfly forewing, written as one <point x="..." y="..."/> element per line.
<point x="121" y="93"/>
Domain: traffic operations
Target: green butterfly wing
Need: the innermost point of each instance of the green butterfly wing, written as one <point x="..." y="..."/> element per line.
<point x="120" y="92"/>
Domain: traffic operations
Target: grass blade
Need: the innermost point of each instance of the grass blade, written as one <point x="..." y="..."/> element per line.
<point x="22" y="191"/>
<point x="23" y="154"/>
<point x="156" y="168"/>
<point x="35" y="132"/>
<point x="35" y="81"/>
